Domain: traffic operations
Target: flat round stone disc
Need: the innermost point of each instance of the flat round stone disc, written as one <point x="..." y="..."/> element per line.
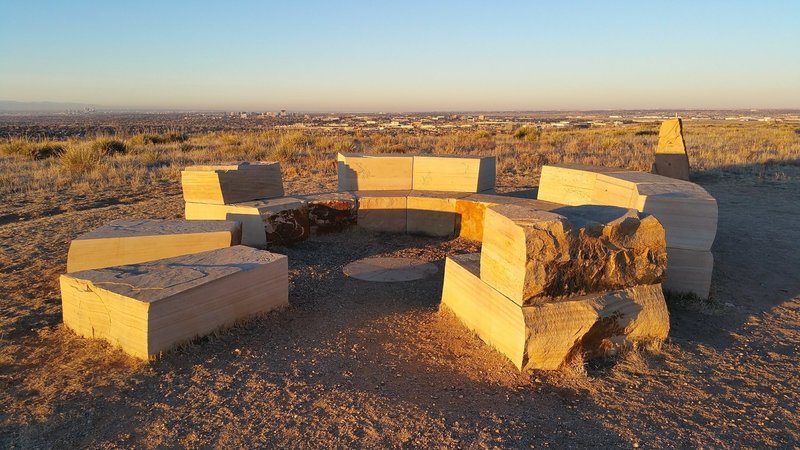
<point x="388" y="269"/>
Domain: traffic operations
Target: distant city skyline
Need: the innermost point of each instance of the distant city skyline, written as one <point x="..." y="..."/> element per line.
<point x="410" y="56"/>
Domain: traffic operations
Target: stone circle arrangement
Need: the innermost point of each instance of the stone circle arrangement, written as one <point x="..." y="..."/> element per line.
<point x="578" y="271"/>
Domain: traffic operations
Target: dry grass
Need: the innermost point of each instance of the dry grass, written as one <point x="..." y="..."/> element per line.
<point x="755" y="150"/>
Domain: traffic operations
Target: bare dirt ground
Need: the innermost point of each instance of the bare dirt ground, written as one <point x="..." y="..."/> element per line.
<point x="352" y="363"/>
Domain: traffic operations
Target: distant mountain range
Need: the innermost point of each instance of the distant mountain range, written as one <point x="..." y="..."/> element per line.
<point x="11" y="106"/>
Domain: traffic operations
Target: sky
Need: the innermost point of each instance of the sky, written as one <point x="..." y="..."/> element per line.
<point x="402" y="55"/>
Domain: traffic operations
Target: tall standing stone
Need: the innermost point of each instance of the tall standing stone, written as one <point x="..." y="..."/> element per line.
<point x="671" y="158"/>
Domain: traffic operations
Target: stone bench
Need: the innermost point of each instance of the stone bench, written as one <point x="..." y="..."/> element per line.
<point x="550" y="282"/>
<point x="223" y="184"/>
<point x="151" y="307"/>
<point x="451" y="173"/>
<point x="687" y="212"/>
<point x="548" y="335"/>
<point x="135" y="241"/>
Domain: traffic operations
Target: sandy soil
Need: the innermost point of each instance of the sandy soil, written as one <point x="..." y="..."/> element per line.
<point x="353" y="363"/>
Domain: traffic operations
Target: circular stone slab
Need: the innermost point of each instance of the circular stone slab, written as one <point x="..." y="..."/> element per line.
<point x="387" y="269"/>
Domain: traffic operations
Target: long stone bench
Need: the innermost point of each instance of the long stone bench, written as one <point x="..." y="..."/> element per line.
<point x="450" y="173"/>
<point x="687" y="212"/>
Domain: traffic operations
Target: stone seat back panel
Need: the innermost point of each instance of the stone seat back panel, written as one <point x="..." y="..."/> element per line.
<point x="225" y="184"/>
<point x="450" y="173"/>
<point x="135" y="241"/>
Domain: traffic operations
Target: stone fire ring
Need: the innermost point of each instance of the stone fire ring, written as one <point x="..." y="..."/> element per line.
<point x="389" y="269"/>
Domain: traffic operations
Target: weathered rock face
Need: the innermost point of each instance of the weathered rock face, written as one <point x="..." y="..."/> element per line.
<point x="534" y="256"/>
<point x="549" y="335"/>
<point x="287" y="223"/>
<point x="594" y="325"/>
<point x="331" y="211"/>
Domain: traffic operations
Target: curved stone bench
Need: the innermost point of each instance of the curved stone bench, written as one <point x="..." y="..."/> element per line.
<point x="551" y="282"/>
<point x="687" y="212"/>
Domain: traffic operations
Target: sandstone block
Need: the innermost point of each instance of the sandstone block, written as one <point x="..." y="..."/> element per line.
<point x="151" y="307"/>
<point x="454" y="173"/>
<point x="687" y="212"/>
<point x="432" y="213"/>
<point x="382" y="211"/>
<point x="134" y="241"/>
<point x="671" y="159"/>
<point x="533" y="256"/>
<point x="549" y="335"/>
<point x="470" y="211"/>
<point x="224" y="184"/>
<point x="689" y="271"/>
<point x="362" y="172"/>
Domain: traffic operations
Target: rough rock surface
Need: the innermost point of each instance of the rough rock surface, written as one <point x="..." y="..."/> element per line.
<point x="331" y="211"/>
<point x="534" y="256"/>
<point x="286" y="223"/>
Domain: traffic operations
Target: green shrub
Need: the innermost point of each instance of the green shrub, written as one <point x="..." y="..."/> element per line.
<point x="526" y="133"/>
<point x="21" y="147"/>
<point x="109" y="146"/>
<point x="49" y="150"/>
<point x="481" y="134"/>
<point x="161" y="138"/>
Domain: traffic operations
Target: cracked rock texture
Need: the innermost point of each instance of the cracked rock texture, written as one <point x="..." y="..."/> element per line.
<point x="535" y="256"/>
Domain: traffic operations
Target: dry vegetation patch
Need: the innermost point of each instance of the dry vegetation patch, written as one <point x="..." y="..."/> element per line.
<point x="763" y="151"/>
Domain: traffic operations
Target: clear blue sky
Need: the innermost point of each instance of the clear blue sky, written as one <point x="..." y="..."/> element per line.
<point x="402" y="55"/>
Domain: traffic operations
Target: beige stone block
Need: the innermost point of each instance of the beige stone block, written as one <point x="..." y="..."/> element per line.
<point x="134" y="241"/>
<point x="432" y="213"/>
<point x="689" y="271"/>
<point x="534" y="256"/>
<point x="454" y="173"/>
<point x="224" y="184"/>
<point x="382" y="211"/>
<point x="549" y="335"/>
<point x="151" y="307"/>
<point x="279" y="221"/>
<point x="671" y="159"/>
<point x="364" y="172"/>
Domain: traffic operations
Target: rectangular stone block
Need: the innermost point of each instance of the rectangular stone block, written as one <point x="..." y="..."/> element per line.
<point x="548" y="336"/>
<point x="363" y="172"/>
<point x="151" y="307"/>
<point x="278" y="221"/>
<point x="382" y="211"/>
<point x="533" y="256"/>
<point x="225" y="184"/>
<point x="134" y="241"/>
<point x="454" y="173"/>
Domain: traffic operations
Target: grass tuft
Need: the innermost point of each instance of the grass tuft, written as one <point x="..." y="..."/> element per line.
<point x="82" y="157"/>
<point x="109" y="146"/>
